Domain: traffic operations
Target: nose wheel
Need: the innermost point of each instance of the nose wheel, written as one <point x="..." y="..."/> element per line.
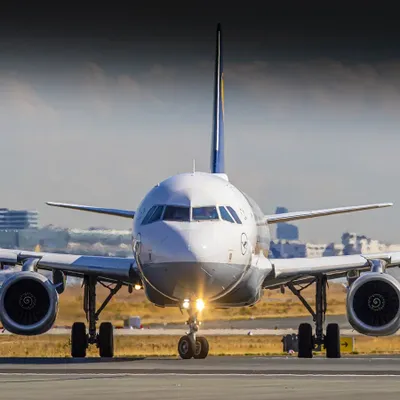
<point x="202" y="347"/>
<point x="191" y="345"/>
<point x="187" y="349"/>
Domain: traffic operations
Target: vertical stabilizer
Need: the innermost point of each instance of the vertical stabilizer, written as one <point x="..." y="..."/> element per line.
<point x="217" y="150"/>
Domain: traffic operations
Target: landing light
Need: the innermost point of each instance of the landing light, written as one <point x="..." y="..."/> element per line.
<point x="138" y="287"/>
<point x="186" y="304"/>
<point x="199" y="305"/>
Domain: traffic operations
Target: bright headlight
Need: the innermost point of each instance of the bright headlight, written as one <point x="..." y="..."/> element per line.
<point x="199" y="305"/>
<point x="186" y="304"/>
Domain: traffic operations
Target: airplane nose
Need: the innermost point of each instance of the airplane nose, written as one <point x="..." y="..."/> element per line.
<point x="183" y="244"/>
<point x="186" y="262"/>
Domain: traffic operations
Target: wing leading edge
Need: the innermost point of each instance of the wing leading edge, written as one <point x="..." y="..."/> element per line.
<point x="100" y="210"/>
<point x="299" y="270"/>
<point x="113" y="268"/>
<point x="292" y="216"/>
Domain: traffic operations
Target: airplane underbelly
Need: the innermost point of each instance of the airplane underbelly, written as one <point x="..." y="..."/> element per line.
<point x="188" y="280"/>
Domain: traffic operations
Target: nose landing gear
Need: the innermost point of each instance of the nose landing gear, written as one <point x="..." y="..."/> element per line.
<point x="191" y="345"/>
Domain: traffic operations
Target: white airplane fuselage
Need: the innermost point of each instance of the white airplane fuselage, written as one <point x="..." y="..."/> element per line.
<point x="185" y="253"/>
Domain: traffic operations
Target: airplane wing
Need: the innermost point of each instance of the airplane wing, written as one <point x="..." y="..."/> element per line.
<point x="302" y="270"/>
<point x="109" y="211"/>
<point x="114" y="269"/>
<point x="292" y="216"/>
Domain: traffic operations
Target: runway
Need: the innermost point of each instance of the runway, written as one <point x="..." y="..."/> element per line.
<point x="225" y="377"/>
<point x="261" y="323"/>
<point x="264" y="326"/>
<point x="355" y="365"/>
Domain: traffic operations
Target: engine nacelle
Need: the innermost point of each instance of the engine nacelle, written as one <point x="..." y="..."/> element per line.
<point x="373" y="304"/>
<point x="28" y="303"/>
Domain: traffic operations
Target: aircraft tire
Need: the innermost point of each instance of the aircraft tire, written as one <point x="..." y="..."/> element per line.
<point x="79" y="341"/>
<point x="305" y="338"/>
<point x="332" y="341"/>
<point x="202" y="348"/>
<point x="106" y="340"/>
<point x="186" y="347"/>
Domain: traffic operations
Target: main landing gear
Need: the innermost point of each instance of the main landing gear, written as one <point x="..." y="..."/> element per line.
<point x="104" y="339"/>
<point x="308" y="342"/>
<point x="191" y="345"/>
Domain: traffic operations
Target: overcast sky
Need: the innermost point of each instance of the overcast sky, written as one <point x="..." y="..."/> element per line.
<point x="98" y="106"/>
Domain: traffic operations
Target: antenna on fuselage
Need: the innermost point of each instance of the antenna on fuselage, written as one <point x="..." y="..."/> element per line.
<point x="194" y="165"/>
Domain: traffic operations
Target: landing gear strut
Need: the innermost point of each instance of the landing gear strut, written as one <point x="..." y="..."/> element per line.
<point x="104" y="340"/>
<point x="309" y="342"/>
<point x="191" y="345"/>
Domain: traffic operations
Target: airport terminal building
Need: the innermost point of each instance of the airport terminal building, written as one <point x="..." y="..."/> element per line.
<point x="17" y="219"/>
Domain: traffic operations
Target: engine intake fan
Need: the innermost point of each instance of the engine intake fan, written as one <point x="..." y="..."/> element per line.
<point x="28" y="303"/>
<point x="373" y="304"/>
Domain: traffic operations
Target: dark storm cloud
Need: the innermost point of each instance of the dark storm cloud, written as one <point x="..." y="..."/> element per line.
<point x="292" y="30"/>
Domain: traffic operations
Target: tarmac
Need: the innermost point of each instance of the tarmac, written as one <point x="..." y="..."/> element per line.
<point x="225" y="377"/>
<point x="283" y="323"/>
<point x="265" y="326"/>
<point x="281" y="378"/>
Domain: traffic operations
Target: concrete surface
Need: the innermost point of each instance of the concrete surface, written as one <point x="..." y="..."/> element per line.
<point x="281" y="378"/>
<point x="266" y="326"/>
<point x="65" y="387"/>
<point x="379" y="365"/>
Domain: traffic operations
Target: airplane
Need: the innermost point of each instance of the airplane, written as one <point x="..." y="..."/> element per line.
<point x="199" y="241"/>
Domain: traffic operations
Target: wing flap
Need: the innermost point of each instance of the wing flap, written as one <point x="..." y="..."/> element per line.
<point x="109" y="211"/>
<point x="293" y="216"/>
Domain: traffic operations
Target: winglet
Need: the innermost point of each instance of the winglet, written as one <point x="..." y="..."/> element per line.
<point x="109" y="211"/>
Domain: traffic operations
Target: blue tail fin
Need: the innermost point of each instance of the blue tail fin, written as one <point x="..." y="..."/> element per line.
<point x="217" y="150"/>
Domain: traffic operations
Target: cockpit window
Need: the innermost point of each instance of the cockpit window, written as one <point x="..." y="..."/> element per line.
<point x="225" y="215"/>
<point x="205" y="213"/>
<point x="234" y="215"/>
<point x="156" y="214"/>
<point x="153" y="215"/>
<point x="176" y="213"/>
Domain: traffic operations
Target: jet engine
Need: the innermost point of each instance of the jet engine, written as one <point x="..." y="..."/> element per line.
<point x="373" y="304"/>
<point x="28" y="303"/>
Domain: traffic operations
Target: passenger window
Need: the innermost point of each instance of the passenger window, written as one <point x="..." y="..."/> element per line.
<point x="153" y="215"/>
<point x="225" y="215"/>
<point x="234" y="215"/>
<point x="175" y="213"/>
<point x="205" y="213"/>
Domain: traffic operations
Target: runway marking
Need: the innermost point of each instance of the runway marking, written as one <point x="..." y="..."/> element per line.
<point x="130" y="374"/>
<point x="323" y="358"/>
